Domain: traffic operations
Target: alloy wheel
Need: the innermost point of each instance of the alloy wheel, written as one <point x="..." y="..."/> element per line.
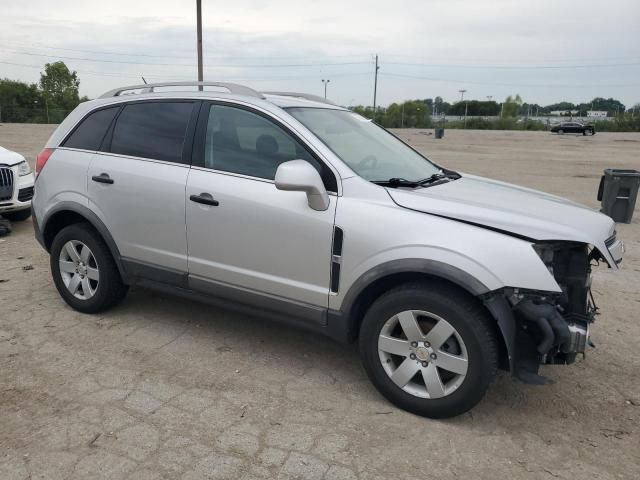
<point x="79" y="269"/>
<point x="423" y="354"/>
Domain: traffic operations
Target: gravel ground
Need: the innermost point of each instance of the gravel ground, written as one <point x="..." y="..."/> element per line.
<point x="163" y="388"/>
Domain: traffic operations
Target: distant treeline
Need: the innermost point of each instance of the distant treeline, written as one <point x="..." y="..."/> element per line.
<point x="513" y="114"/>
<point x="56" y="94"/>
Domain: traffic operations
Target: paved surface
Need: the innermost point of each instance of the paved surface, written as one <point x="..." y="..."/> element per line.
<point x="162" y="388"/>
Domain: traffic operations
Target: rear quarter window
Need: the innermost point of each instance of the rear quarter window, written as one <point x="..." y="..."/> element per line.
<point x="90" y="132"/>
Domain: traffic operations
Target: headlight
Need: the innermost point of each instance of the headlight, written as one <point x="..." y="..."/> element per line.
<point x="24" y="169"/>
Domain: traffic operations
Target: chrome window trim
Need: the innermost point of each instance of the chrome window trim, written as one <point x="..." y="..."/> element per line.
<point x="144" y="159"/>
<point x="244" y="177"/>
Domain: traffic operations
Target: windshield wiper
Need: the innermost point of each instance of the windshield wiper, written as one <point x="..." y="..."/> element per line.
<point x="396" y="182"/>
<point x="401" y="182"/>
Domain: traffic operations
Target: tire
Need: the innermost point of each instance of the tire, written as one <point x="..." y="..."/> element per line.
<point x="103" y="287"/>
<point x="453" y="393"/>
<point x="18" y="216"/>
<point x="560" y="132"/>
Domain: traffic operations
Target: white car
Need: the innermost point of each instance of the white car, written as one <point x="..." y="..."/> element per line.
<point x="16" y="186"/>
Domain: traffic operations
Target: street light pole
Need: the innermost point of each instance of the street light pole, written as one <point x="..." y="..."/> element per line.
<point x="326" y="82"/>
<point x="199" y="35"/>
<point x="462" y="92"/>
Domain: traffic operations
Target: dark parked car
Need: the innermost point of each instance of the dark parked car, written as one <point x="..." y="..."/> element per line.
<point x="573" y="127"/>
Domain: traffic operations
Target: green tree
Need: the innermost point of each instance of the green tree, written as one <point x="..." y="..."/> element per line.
<point x="60" y="86"/>
<point x="20" y="102"/>
<point x="511" y="106"/>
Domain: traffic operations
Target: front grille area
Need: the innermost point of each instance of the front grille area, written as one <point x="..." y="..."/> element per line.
<point x="25" y="194"/>
<point x="6" y="183"/>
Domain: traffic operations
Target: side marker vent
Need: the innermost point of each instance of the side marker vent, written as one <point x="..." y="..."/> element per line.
<point x="336" y="258"/>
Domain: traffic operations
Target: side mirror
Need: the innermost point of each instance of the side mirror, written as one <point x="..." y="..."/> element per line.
<point x="300" y="176"/>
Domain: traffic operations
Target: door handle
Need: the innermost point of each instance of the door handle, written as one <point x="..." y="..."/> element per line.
<point x="103" y="178"/>
<point x="205" y="199"/>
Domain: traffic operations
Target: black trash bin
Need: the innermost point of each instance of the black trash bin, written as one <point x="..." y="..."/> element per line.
<point x="439" y="132"/>
<point x="618" y="192"/>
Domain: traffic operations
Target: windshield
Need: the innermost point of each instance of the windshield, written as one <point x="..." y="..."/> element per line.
<point x="370" y="151"/>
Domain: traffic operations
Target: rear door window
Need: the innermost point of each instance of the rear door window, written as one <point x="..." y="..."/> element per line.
<point x="154" y="130"/>
<point x="88" y="135"/>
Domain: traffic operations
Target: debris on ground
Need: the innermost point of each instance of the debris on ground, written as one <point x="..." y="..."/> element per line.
<point x="27" y="267"/>
<point x="5" y="226"/>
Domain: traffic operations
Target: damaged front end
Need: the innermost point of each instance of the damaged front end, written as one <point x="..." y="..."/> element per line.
<point x="548" y="327"/>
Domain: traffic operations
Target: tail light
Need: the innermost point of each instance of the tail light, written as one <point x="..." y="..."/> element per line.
<point x="42" y="158"/>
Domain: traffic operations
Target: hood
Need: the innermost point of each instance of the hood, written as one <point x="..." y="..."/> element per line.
<point x="510" y="208"/>
<point x="7" y="157"/>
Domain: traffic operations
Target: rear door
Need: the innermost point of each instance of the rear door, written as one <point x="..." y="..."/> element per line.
<point x="254" y="238"/>
<point x="136" y="185"/>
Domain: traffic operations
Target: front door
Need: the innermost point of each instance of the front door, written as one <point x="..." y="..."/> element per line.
<point x="243" y="234"/>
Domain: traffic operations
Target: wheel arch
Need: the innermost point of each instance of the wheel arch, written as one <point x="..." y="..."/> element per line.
<point x="344" y="325"/>
<point x="69" y="213"/>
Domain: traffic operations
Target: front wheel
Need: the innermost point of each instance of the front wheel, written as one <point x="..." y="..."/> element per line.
<point x="84" y="271"/>
<point x="429" y="349"/>
<point x="560" y="132"/>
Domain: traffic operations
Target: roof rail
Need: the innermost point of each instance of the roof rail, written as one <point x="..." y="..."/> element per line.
<point x="306" y="96"/>
<point x="149" y="88"/>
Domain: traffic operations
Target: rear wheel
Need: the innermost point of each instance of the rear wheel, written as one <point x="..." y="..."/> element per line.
<point x="561" y="132"/>
<point x="84" y="271"/>
<point x="19" y="216"/>
<point x="429" y="349"/>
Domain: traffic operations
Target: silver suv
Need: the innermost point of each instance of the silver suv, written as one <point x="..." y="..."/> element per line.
<point x="293" y="208"/>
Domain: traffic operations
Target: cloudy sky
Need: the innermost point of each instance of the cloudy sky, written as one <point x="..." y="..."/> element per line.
<point x="545" y="50"/>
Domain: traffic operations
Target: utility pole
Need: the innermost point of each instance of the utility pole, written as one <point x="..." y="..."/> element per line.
<point x="199" y="32"/>
<point x="326" y="82"/>
<point x="375" y="87"/>
<point x="462" y="92"/>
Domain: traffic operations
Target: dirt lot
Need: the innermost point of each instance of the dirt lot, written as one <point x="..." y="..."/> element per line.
<point x="162" y="388"/>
